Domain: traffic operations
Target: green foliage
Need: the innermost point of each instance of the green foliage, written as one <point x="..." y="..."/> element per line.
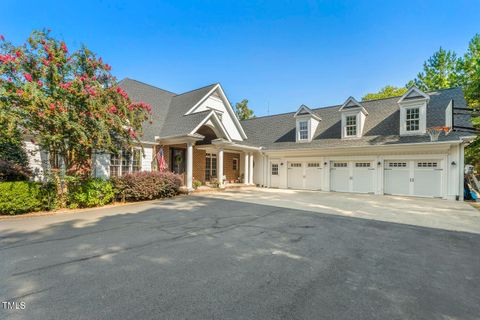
<point x="146" y="185"/>
<point x="242" y="111"/>
<point x="23" y="196"/>
<point x="440" y="71"/>
<point x="470" y="66"/>
<point x="89" y="193"/>
<point x="68" y="101"/>
<point x="196" y="184"/>
<point x="385" y="92"/>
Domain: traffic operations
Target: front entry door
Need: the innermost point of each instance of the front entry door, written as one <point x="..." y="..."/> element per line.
<point x="178" y="161"/>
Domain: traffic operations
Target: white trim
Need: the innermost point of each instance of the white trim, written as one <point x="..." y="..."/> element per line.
<point x="358" y="106"/>
<point x="218" y="122"/>
<point x="228" y="105"/>
<point x="310" y="111"/>
<point x="420" y="92"/>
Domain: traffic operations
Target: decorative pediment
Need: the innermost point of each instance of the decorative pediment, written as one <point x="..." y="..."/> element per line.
<point x="414" y="94"/>
<point x="303" y="110"/>
<point x="352" y="104"/>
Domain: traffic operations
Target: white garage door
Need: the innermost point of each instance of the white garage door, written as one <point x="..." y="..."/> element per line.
<point x="352" y="176"/>
<point x="313" y="175"/>
<point x="304" y="175"/>
<point x="340" y="176"/>
<point x="295" y="175"/>
<point x="421" y="178"/>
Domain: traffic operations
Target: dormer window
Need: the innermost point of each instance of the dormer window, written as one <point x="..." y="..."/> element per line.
<point x="413" y="112"/>
<point x="351" y="126"/>
<point x="303" y="130"/>
<point x="412" y="119"/>
<point x="307" y="123"/>
<point x="353" y="118"/>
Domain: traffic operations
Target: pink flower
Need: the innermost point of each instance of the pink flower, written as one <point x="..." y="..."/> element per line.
<point x="40" y="83"/>
<point x="64" y="47"/>
<point x="7" y="58"/>
<point x="108" y="67"/>
<point x="112" y="109"/>
<point x="122" y="93"/>
<point x="52" y="106"/>
<point x="28" y="77"/>
<point x="2" y="37"/>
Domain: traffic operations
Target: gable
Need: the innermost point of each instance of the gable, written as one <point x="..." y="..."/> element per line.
<point x="215" y="101"/>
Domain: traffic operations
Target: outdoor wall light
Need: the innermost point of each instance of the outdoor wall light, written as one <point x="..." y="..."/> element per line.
<point x="281" y="164"/>
<point x="379" y="163"/>
<point x="325" y="163"/>
<point x="453" y="163"/>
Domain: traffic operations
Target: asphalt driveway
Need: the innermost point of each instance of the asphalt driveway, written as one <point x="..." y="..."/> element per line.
<point x="200" y="257"/>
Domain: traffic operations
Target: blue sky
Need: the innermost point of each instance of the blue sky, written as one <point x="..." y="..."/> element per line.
<point x="275" y="53"/>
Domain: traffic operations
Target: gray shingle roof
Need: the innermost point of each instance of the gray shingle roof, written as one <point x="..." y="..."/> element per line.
<point x="168" y="108"/>
<point x="382" y="124"/>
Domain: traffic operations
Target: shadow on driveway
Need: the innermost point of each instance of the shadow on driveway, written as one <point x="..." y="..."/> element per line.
<point x="205" y="258"/>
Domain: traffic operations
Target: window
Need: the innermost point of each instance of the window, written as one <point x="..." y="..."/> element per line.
<point x="362" y="164"/>
<point x="303" y="130"/>
<point x="313" y="165"/>
<point x="295" y="165"/>
<point x="340" y="164"/>
<point x="351" y="126"/>
<point x="137" y="160"/>
<point x="427" y="164"/>
<point x="126" y="161"/>
<point x="235" y="164"/>
<point x="210" y="166"/>
<point x="397" y="164"/>
<point x="412" y="117"/>
<point x="274" y="169"/>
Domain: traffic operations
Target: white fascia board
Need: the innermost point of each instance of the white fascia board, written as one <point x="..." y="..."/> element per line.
<point x="310" y="111"/>
<point x="420" y="92"/>
<point x="390" y="146"/>
<point x="231" y="112"/>
<point x="218" y="122"/>
<point x="201" y="100"/>
<point x="229" y="108"/>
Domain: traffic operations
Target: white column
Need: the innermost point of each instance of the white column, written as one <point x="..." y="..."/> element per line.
<point x="220" y="167"/>
<point x="250" y="170"/>
<point x="189" y="166"/>
<point x="245" y="165"/>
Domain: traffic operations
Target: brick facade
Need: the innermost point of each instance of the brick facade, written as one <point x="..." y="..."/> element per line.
<point x="199" y="162"/>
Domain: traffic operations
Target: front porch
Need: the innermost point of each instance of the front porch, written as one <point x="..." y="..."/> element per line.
<point x="214" y="164"/>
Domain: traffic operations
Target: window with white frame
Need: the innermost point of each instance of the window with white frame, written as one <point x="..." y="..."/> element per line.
<point x="351" y="126"/>
<point x="274" y="169"/>
<point x="303" y="130"/>
<point x="412" y="118"/>
<point x="126" y="161"/>
<point x="235" y="164"/>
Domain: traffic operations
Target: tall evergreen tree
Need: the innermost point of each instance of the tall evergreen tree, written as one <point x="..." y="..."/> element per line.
<point x="440" y="71"/>
<point x="242" y="111"/>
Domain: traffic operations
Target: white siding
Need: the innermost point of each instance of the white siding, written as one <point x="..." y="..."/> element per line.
<point x="216" y="103"/>
<point x="147" y="159"/>
<point x="101" y="165"/>
<point x="37" y="160"/>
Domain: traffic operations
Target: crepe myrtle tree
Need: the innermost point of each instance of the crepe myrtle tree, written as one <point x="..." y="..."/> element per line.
<point x="66" y="102"/>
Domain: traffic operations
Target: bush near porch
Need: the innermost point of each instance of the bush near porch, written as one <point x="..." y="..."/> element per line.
<point x="26" y="196"/>
<point x="17" y="197"/>
<point x="146" y="185"/>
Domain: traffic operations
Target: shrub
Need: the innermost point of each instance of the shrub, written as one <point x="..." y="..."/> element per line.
<point x="197" y="183"/>
<point x="146" y="185"/>
<point x="91" y="192"/>
<point x="24" y="196"/>
<point x="10" y="171"/>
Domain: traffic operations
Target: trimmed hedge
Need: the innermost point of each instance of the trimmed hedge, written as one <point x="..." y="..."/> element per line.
<point x="146" y="185"/>
<point x="25" y="196"/>
<point x="89" y="193"/>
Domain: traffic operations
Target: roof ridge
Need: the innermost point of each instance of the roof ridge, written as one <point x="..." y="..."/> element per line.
<point x="338" y="105"/>
<point x="147" y="84"/>
<point x="213" y="84"/>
